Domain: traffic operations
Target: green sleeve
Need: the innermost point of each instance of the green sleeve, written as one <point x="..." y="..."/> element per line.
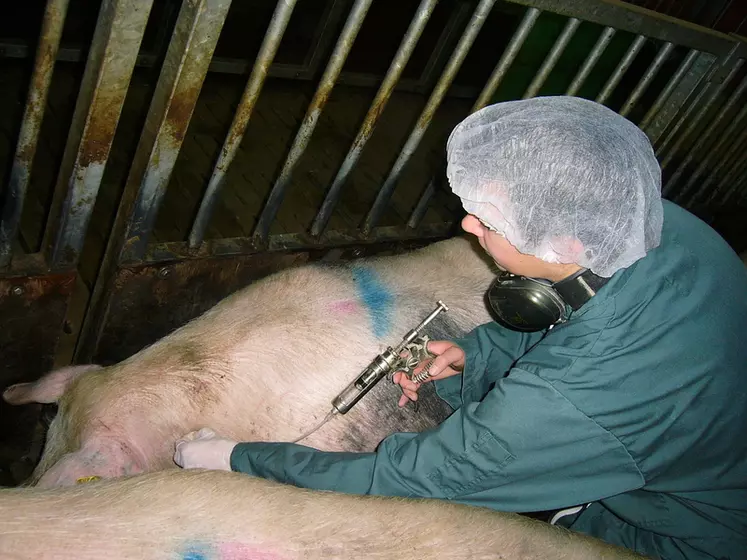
<point x="524" y="447"/>
<point x="490" y="351"/>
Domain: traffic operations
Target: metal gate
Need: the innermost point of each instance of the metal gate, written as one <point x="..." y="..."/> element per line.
<point x="684" y="85"/>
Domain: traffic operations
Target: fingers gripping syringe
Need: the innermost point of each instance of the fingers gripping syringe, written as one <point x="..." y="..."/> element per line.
<point x="382" y="365"/>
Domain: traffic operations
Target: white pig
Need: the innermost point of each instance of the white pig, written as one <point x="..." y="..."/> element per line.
<point x="264" y="365"/>
<point x="216" y="515"/>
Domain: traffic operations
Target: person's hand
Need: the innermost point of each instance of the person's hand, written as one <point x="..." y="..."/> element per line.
<point x="204" y="449"/>
<point x="449" y="361"/>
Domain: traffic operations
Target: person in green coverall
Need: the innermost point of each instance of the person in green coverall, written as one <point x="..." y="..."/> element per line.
<point x="626" y="406"/>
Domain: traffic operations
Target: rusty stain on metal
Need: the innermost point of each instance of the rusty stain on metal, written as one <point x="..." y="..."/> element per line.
<point x="46" y="55"/>
<point x="455" y="62"/>
<point x="337" y="60"/>
<point x="407" y="46"/>
<point x="195" y="36"/>
<point x="116" y="41"/>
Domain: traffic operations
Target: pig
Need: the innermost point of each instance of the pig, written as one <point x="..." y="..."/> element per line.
<point x="264" y="365"/>
<point x="218" y="515"/>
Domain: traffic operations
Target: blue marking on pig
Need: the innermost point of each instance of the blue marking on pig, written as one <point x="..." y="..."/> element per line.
<point x="196" y="551"/>
<point x="376" y="297"/>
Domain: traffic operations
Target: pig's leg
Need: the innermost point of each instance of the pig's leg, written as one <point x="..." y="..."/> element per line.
<point x="48" y="389"/>
<point x="99" y="457"/>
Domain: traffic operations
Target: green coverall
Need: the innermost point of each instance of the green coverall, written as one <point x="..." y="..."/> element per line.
<point x="637" y="405"/>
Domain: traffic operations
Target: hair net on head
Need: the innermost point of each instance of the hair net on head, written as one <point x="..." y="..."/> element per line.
<point x="550" y="172"/>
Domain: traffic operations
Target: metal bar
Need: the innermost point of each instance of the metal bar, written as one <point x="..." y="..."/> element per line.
<point x="591" y="60"/>
<point x="552" y="58"/>
<point x="192" y="45"/>
<point x="731" y="143"/>
<point x="703" y="110"/>
<point x="698" y="147"/>
<point x="226" y="247"/>
<point x="499" y="72"/>
<point x="407" y="46"/>
<point x="731" y="164"/>
<point x="627" y="17"/>
<point x="336" y="62"/>
<point x="323" y="36"/>
<point x="455" y="62"/>
<point x="507" y="58"/>
<point x="647" y="78"/>
<point x="622" y="67"/>
<point x="235" y="135"/>
<point x="116" y="41"/>
<point x="36" y="101"/>
<point x="734" y="179"/>
<point x="669" y="88"/>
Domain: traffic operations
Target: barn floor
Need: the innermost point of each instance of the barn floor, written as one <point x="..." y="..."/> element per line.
<point x="271" y="130"/>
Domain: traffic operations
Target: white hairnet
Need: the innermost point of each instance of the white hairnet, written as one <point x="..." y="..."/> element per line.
<point x="550" y="172"/>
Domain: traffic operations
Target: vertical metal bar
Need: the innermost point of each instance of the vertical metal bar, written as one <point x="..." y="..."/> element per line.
<point x="734" y="179"/>
<point x="591" y="60"/>
<point x="507" y="58"/>
<point x="323" y="36"/>
<point x="407" y="46"/>
<point x="698" y="147"/>
<point x="693" y="84"/>
<point x="191" y="48"/>
<point x="647" y="78"/>
<point x="235" y="135"/>
<point x="499" y="72"/>
<point x="116" y="41"/>
<point x="552" y="58"/>
<point x="704" y="109"/>
<point x="731" y="138"/>
<point x="458" y="15"/>
<point x="669" y="88"/>
<point x="36" y="101"/>
<point x="622" y="67"/>
<point x="455" y="62"/>
<point x="336" y="62"/>
<point x="730" y="164"/>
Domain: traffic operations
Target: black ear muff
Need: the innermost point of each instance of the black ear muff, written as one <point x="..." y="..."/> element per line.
<point x="525" y="304"/>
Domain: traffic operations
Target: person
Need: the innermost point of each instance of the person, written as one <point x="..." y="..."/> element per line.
<point x="625" y="404"/>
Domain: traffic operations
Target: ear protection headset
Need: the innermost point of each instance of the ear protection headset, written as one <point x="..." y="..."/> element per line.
<point x="533" y="304"/>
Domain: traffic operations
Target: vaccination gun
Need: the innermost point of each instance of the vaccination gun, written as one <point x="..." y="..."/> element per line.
<point x="387" y="362"/>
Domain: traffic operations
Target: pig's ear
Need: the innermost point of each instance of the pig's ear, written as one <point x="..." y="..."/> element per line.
<point x="47" y="389"/>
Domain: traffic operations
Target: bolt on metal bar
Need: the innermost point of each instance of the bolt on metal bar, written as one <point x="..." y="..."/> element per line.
<point x="669" y="88"/>
<point x="455" y="62"/>
<point x="698" y="147"/>
<point x="266" y="55"/>
<point x="552" y="58"/>
<point x="499" y="72"/>
<point x="729" y="140"/>
<point x="28" y="137"/>
<point x="591" y="60"/>
<point x="191" y="48"/>
<point x="507" y="58"/>
<point x="301" y="141"/>
<point x="647" y="78"/>
<point x="114" y="48"/>
<point x="695" y="122"/>
<point x="622" y="67"/>
<point x="407" y="46"/>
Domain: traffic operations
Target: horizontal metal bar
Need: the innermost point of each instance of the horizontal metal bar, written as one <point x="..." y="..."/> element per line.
<point x="627" y="17"/>
<point x="699" y="115"/>
<point x="266" y="55"/>
<point x="191" y="47"/>
<point x="673" y="82"/>
<point x="591" y="60"/>
<point x="225" y="247"/>
<point x="647" y="78"/>
<point x="622" y="67"/>
<point x="732" y="144"/>
<point x="552" y="58"/>
<point x="116" y="41"/>
<point x="28" y="137"/>
<point x="407" y="46"/>
<point x="507" y="58"/>
<point x="413" y="141"/>
<point x="337" y="60"/>
<point x="698" y="147"/>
